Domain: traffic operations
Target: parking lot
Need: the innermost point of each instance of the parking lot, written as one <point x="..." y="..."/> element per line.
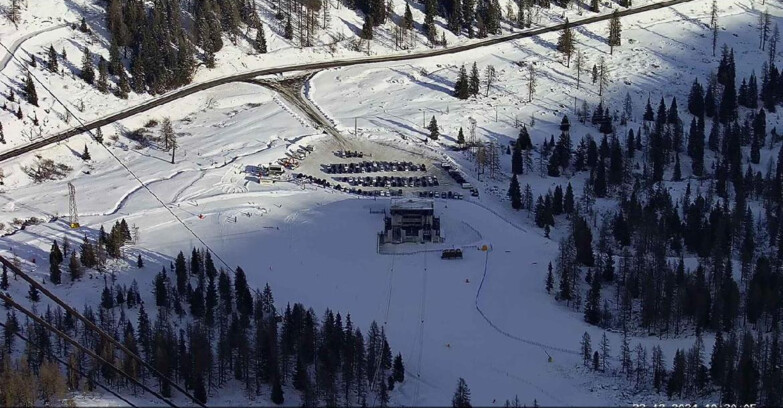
<point x="378" y="169"/>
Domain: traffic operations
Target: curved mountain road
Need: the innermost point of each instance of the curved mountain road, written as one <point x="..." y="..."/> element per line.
<point x="11" y="50"/>
<point x="192" y="89"/>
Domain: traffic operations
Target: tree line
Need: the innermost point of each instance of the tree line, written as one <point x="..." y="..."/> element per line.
<point x="206" y="329"/>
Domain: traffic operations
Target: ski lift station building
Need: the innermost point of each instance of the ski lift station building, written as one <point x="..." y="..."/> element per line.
<point x="411" y="220"/>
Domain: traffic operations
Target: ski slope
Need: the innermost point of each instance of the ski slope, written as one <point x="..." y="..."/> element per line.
<point x="487" y="317"/>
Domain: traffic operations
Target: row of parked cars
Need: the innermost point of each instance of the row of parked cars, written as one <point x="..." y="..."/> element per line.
<point x="440" y="194"/>
<point x="348" y="154"/>
<point x="372" y="167"/>
<point x="300" y="153"/>
<point x="390" y="181"/>
<point x="371" y="193"/>
<point x="459" y="178"/>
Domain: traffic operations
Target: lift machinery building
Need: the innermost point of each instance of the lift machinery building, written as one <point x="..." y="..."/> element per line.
<point x="411" y="221"/>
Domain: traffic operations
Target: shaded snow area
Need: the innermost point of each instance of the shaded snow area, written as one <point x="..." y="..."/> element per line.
<point x="486" y="317"/>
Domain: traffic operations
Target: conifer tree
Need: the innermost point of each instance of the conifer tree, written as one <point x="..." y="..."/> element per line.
<point x="550" y="279"/>
<point x="260" y="42"/>
<point x="398" y="372"/>
<point x="461" y="86"/>
<point x="4" y="278"/>
<point x="677" y="176"/>
<point x="277" y="391"/>
<point x="407" y="21"/>
<point x="587" y="348"/>
<point x="33" y="294"/>
<point x="515" y="193"/>
<point x="593" y="304"/>
<point x="615" y="30"/>
<point x="604" y="351"/>
<point x="367" y="27"/>
<point x="460" y="138"/>
<point x="29" y="90"/>
<point x="87" y="72"/>
<point x="53" y="64"/>
<point x="55" y="276"/>
<point x="115" y="60"/>
<point x="103" y="76"/>
<point x="86" y="154"/>
<point x="433" y="128"/>
<point x="474" y="82"/>
<point x="74" y="267"/>
<point x="565" y="43"/>
<point x="123" y="85"/>
<point x="517" y="161"/>
<point x="181" y="272"/>
<point x="289" y="29"/>
<point x="461" y="398"/>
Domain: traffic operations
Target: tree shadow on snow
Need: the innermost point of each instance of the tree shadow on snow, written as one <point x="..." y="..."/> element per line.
<point x="428" y="85"/>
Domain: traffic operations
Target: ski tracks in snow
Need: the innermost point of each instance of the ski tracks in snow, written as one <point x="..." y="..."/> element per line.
<point x="543" y="346"/>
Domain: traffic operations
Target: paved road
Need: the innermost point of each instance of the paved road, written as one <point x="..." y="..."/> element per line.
<point x="18" y="43"/>
<point x="189" y="90"/>
<point x="290" y="89"/>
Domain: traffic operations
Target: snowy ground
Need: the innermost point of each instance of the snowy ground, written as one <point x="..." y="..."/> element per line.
<point x="485" y="318"/>
<point x="47" y="23"/>
<point x="662" y="53"/>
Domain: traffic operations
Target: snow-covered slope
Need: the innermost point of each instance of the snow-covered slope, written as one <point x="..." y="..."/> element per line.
<point x="485" y="318"/>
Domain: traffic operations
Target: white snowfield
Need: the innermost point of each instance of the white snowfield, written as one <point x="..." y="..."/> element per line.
<point x="486" y="317"/>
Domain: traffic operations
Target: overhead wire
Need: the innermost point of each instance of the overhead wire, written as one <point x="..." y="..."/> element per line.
<point x="89" y="324"/>
<point x="10" y="302"/>
<point x="121" y="163"/>
<point x="18" y="333"/>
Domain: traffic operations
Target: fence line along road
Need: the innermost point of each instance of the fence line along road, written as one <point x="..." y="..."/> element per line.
<point x="192" y="89"/>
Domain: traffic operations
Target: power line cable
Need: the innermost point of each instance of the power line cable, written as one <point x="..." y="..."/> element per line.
<point x="18" y="333"/>
<point x="89" y="324"/>
<point x="89" y="131"/>
<point x="10" y="302"/>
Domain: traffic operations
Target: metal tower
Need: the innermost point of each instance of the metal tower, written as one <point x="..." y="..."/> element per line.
<point x="72" y="205"/>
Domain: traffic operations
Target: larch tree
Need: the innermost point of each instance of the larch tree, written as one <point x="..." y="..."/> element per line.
<point x="490" y="74"/>
<point x="765" y="22"/>
<point x="714" y="25"/>
<point x="579" y="66"/>
<point x="167" y="133"/>
<point x="603" y="76"/>
<point x="14" y="12"/>
<point x="531" y="81"/>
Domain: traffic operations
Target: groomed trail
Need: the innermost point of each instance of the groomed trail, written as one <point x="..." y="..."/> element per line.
<point x="192" y="89"/>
